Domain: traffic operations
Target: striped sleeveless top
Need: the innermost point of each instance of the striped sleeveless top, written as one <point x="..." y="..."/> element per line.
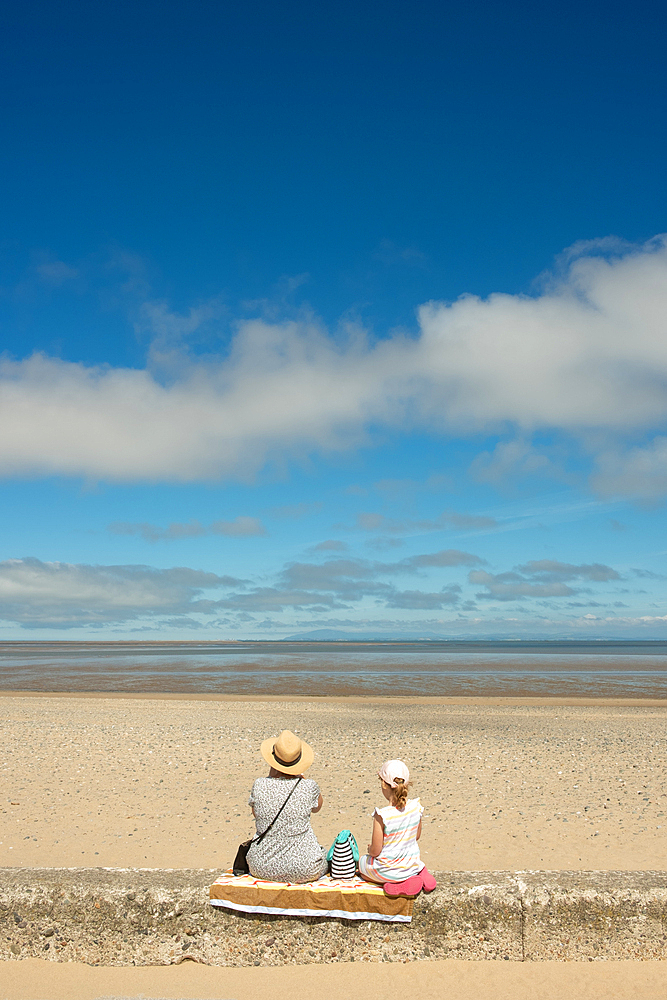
<point x="399" y="857"/>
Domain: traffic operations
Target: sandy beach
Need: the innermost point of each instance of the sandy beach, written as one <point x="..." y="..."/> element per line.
<point x="163" y="782"/>
<point x="34" y="979"/>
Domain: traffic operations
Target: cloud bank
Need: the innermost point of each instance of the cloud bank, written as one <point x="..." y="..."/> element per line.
<point x="58" y="595"/>
<point x="587" y="357"/>
<point x="39" y="594"/>
<point x="541" y="578"/>
<point x="65" y="595"/>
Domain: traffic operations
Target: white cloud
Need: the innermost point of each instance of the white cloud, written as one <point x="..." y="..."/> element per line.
<point x="38" y="594"/>
<point x="588" y="357"/>
<point x="278" y="599"/>
<point x="419" y="600"/>
<point x="57" y="595"/>
<point x="517" y="457"/>
<point x="348" y="577"/>
<point x="551" y="570"/>
<point x="636" y="472"/>
<point x="449" y="519"/>
<point x="329" y="545"/>
<point x="513" y="587"/>
<point x="540" y="578"/>
<point x="446" y="557"/>
<point x="590" y="352"/>
<point x="240" y="527"/>
<point x="66" y="595"/>
<point x="337" y="583"/>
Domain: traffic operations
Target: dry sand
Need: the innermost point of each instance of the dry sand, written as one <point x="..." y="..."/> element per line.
<point x="34" y="979"/>
<point x="163" y="782"/>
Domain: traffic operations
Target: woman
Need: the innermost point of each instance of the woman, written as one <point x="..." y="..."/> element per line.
<point x="289" y="852"/>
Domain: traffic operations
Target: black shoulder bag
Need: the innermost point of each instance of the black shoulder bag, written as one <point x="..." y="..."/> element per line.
<point x="240" y="866"/>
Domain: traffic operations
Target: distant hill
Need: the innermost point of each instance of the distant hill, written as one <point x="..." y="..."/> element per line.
<point x="332" y="635"/>
<point x="335" y="635"/>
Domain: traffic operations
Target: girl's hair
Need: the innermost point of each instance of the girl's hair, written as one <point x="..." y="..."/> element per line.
<point x="399" y="795"/>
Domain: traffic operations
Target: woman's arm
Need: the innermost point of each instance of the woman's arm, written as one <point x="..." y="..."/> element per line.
<point x="319" y="805"/>
<point x="377" y="836"/>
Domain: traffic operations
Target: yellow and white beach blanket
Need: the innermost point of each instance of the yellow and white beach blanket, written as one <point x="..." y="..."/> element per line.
<point x="349" y="899"/>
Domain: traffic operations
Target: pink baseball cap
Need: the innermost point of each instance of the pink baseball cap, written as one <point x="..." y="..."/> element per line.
<point x="393" y="769"/>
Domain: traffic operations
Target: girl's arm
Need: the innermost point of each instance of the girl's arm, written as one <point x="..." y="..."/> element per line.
<point x="419" y="830"/>
<point x="377" y="836"/>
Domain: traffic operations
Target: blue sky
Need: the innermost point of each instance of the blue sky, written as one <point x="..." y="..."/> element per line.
<point x="350" y="319"/>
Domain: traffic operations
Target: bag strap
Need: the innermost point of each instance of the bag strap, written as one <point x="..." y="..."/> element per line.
<point x="257" y="840"/>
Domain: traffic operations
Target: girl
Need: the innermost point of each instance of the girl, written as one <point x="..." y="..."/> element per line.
<point x="393" y="853"/>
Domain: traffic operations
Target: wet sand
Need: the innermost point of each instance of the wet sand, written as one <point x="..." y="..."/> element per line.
<point x="470" y="669"/>
<point x="164" y="782"/>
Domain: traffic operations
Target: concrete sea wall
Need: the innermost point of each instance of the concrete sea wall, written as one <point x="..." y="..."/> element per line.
<point x="134" y="916"/>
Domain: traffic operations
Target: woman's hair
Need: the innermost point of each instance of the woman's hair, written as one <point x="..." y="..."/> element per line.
<point x="399" y="795"/>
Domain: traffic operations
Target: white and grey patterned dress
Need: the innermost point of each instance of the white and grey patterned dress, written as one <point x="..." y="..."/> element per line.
<point x="290" y="851"/>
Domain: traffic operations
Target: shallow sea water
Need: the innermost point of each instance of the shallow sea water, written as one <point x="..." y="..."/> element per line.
<point x="445" y="669"/>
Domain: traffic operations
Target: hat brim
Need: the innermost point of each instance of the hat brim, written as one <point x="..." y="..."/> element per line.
<point x="303" y="763"/>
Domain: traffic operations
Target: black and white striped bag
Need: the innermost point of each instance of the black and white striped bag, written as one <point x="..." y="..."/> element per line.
<point x="343" y="856"/>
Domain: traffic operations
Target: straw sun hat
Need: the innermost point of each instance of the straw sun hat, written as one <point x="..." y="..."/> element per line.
<point x="288" y="753"/>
